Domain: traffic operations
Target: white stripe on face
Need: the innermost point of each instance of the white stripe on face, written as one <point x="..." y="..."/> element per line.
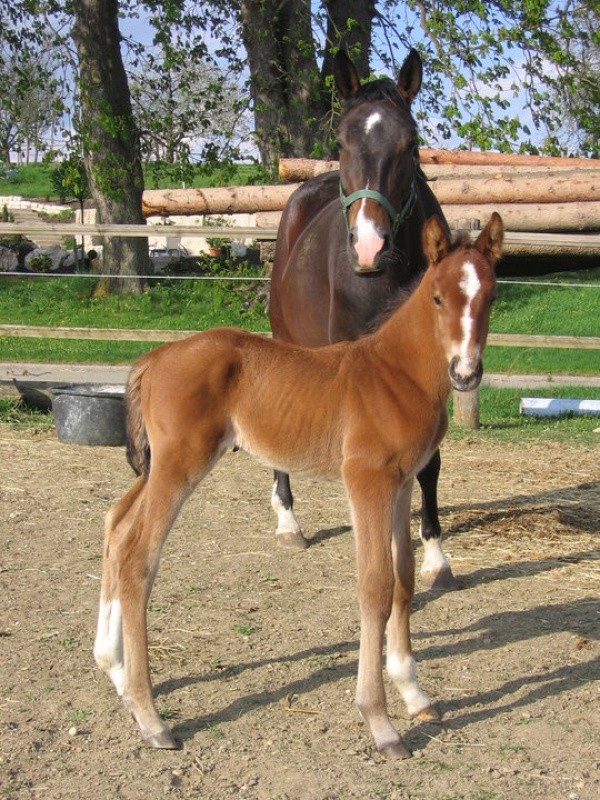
<point x="368" y="241"/>
<point x="470" y="286"/>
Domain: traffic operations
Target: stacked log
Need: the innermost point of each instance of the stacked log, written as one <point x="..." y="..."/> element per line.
<point x="532" y="193"/>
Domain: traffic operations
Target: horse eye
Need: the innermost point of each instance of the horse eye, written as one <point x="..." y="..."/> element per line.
<point x="437" y="299"/>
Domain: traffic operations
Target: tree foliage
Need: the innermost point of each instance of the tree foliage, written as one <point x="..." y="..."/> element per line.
<point x="30" y="100"/>
<point x="505" y="74"/>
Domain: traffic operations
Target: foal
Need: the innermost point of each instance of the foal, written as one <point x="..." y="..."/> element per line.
<point x="371" y="411"/>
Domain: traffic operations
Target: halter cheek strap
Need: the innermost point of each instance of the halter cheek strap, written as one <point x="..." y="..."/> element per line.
<point x="396" y="217"/>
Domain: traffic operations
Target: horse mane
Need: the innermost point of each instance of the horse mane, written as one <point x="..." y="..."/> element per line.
<point x="377" y="90"/>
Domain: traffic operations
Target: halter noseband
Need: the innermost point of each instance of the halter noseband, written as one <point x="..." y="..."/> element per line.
<point x="396" y="217"/>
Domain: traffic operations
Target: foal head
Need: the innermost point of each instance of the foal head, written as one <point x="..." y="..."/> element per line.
<point x="463" y="290"/>
<point x="377" y="139"/>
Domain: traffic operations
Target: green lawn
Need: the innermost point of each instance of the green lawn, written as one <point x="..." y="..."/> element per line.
<point x="35" y="180"/>
<point x="195" y="305"/>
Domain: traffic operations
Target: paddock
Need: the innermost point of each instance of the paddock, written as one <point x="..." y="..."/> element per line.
<point x="259" y="657"/>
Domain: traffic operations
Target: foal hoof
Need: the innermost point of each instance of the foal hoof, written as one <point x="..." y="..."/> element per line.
<point x="292" y="540"/>
<point x="429" y="714"/>
<point x="394" y="752"/>
<point x="441" y="581"/>
<point x="164" y="740"/>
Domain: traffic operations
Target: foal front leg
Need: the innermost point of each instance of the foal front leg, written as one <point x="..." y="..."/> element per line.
<point x="401" y="665"/>
<point x="371" y="497"/>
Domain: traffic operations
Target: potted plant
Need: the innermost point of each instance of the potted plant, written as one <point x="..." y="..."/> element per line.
<point x="216" y="244"/>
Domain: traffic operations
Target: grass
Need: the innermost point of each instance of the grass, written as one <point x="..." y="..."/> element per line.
<point x="564" y="304"/>
<point x="31" y="180"/>
<point x="35" y="180"/>
<point x="177" y="305"/>
<point x="501" y="421"/>
<point x="195" y="305"/>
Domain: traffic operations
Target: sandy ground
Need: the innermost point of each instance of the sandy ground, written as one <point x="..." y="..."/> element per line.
<point x="254" y="649"/>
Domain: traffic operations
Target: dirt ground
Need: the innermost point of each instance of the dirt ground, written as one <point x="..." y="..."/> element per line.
<point x="254" y="649"/>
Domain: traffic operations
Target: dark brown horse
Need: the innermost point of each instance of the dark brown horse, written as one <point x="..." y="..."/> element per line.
<point x="349" y="246"/>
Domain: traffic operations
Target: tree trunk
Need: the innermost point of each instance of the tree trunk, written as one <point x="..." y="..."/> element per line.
<point x="110" y="139"/>
<point x="349" y="24"/>
<point x="284" y="77"/>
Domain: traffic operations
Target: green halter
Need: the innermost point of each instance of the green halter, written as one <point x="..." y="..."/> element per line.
<point x="397" y="217"/>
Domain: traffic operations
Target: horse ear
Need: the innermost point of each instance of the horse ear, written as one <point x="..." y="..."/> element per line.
<point x="345" y="75"/>
<point x="489" y="241"/>
<point x="436" y="242"/>
<point x="410" y="76"/>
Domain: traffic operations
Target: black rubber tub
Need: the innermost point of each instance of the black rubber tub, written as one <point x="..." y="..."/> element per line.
<point x="90" y="414"/>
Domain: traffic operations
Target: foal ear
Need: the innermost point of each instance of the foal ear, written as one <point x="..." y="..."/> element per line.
<point x="410" y="76"/>
<point x="489" y="241"/>
<point x="345" y="75"/>
<point x="436" y="241"/>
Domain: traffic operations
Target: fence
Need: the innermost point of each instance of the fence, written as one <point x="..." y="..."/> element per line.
<point x="466" y="405"/>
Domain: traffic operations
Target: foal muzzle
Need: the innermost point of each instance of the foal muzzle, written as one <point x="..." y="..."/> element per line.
<point x="465" y="380"/>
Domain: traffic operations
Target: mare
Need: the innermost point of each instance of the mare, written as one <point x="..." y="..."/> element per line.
<point x="370" y="411"/>
<point x="349" y="242"/>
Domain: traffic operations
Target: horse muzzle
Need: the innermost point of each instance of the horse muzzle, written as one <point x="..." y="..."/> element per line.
<point x="465" y="379"/>
<point x="366" y="252"/>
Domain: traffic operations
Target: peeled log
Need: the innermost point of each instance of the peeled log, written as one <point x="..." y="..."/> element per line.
<point x="225" y="200"/>
<point x="543" y="217"/>
<point x="433" y="156"/>
<point x="518" y="190"/>
<point x="301" y="169"/>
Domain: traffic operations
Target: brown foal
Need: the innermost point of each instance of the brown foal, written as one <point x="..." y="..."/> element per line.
<point x="371" y="411"/>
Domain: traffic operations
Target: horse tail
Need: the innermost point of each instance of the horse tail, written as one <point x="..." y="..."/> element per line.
<point x="138" y="446"/>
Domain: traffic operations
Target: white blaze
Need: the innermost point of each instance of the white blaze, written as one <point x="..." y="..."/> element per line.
<point x="470" y="286"/>
<point x="368" y="242"/>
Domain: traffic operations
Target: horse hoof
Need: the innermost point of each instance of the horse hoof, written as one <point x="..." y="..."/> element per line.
<point x="292" y="540"/>
<point x="429" y="714"/>
<point x="441" y="581"/>
<point x="164" y="740"/>
<point x="394" y="752"/>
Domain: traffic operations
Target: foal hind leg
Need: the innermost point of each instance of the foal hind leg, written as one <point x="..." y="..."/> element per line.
<point x="166" y="490"/>
<point x="108" y="645"/>
<point x="435" y="572"/>
<point x="289" y="533"/>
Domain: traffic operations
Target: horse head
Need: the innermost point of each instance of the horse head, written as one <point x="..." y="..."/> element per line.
<point x="463" y="290"/>
<point x="378" y="156"/>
